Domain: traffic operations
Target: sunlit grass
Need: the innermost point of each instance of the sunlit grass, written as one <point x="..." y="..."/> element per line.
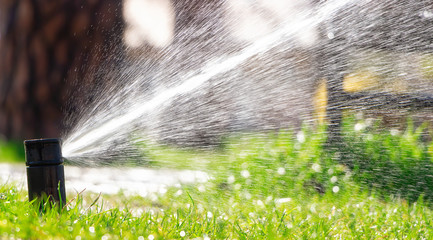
<point x="263" y="186"/>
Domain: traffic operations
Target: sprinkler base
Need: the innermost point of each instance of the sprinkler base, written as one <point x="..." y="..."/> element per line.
<point x="45" y="171"/>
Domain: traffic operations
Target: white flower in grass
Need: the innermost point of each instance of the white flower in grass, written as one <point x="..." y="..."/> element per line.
<point x="150" y="237"/>
<point x="182" y="233"/>
<point x="209" y="215"/>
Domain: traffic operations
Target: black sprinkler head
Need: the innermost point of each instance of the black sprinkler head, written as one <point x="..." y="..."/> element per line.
<point x="45" y="172"/>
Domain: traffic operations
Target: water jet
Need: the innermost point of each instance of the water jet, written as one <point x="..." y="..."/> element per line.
<point x="45" y="171"/>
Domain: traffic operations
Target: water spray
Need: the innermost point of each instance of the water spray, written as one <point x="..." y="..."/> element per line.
<point x="83" y="139"/>
<point x="45" y="171"/>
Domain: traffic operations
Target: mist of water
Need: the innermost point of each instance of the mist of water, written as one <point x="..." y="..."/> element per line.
<point x="126" y="114"/>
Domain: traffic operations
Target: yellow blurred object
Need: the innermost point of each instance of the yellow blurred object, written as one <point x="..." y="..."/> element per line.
<point x="361" y="81"/>
<point x="355" y="82"/>
<point x="320" y="101"/>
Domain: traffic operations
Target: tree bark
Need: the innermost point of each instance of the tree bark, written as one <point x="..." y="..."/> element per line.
<point x="49" y="54"/>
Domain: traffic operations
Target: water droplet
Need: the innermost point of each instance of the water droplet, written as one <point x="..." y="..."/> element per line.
<point x="394" y="132"/>
<point x="163" y="190"/>
<point x="334" y="179"/>
<point x="281" y="171"/>
<point x="313" y="208"/>
<point x="245" y="173"/>
<point x="231" y="179"/>
<point x="359" y="127"/>
<point x="283" y="200"/>
<point x="300" y="137"/>
<point x="260" y="203"/>
<point x="335" y="189"/>
<point x="316" y="167"/>
<point x="269" y="198"/>
<point x="427" y="14"/>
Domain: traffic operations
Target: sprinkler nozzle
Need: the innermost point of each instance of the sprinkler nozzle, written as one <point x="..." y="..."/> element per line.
<point x="45" y="172"/>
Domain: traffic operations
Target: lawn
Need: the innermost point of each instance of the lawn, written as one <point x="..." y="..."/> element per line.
<point x="263" y="186"/>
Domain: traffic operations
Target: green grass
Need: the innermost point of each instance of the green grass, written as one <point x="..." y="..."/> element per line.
<point x="263" y="186"/>
<point x="11" y="151"/>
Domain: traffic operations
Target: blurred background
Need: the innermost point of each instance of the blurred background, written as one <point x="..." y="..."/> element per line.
<point x="56" y="56"/>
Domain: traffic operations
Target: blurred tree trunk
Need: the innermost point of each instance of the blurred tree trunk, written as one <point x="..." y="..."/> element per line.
<point x="49" y="55"/>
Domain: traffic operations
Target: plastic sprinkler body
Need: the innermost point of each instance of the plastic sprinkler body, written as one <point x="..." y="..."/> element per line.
<point x="45" y="171"/>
